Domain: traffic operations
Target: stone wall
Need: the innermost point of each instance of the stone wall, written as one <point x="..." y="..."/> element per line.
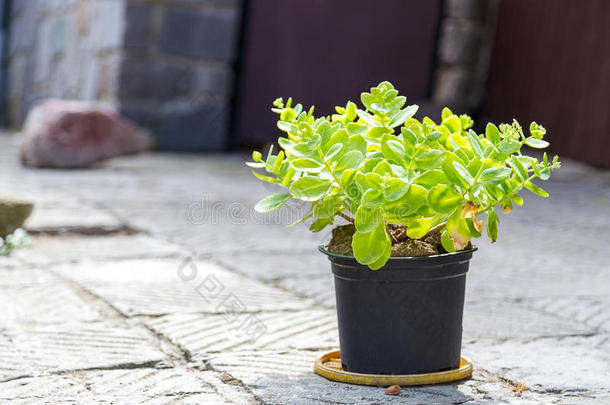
<point x="168" y="64"/>
<point x="63" y="48"/>
<point x="177" y="71"/>
<point x="466" y="33"/>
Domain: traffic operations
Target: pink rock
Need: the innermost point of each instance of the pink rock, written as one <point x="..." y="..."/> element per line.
<point x="64" y="134"/>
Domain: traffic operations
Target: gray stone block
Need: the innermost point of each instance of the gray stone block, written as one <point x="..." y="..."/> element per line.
<point x="42" y="303"/>
<point x="568" y="365"/>
<point x="58" y="216"/>
<point x="46" y="250"/>
<point x="200" y="334"/>
<point x="460" y="42"/>
<point x="38" y="350"/>
<point x="203" y="128"/>
<point x="210" y="35"/>
<point x="162" y="286"/>
<point x="475" y="10"/>
<point x="143" y="78"/>
<point x="138" y="26"/>
<point x="149" y="79"/>
<point x="127" y="386"/>
<point x="452" y="86"/>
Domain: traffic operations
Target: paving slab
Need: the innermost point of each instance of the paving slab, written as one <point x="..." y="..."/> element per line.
<point x="47" y="303"/>
<point x="281" y="377"/>
<point x="201" y="334"/>
<point x="593" y="311"/>
<point x="273" y="266"/>
<point x="66" y="215"/>
<point x="162" y="286"/>
<point x="128" y="386"/>
<point x="47" y="250"/>
<point x="501" y="320"/>
<point x="42" y="349"/>
<point x="9" y="262"/>
<point x="18" y="275"/>
<point x="573" y="365"/>
<point x="321" y="289"/>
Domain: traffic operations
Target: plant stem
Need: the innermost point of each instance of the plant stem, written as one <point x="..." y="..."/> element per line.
<point x="346" y="217"/>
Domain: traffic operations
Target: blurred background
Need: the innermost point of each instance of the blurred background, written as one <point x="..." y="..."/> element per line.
<point x="201" y="75"/>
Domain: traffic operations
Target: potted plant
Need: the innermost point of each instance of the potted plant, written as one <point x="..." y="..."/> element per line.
<point x="414" y="194"/>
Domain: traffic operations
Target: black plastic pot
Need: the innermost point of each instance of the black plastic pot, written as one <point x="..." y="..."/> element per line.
<point x="405" y="318"/>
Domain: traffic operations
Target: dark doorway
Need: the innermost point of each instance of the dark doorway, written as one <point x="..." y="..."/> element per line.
<point x="551" y="62"/>
<point x="324" y="52"/>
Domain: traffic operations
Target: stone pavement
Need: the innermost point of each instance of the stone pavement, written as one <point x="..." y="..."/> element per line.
<point x="151" y="280"/>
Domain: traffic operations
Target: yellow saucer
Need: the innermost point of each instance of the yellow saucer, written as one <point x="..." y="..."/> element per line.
<point x="329" y="366"/>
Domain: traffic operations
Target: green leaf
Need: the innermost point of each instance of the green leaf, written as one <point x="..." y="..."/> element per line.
<point x="426" y="158"/>
<point x="509" y="146"/>
<point x="463" y="172"/>
<point x="452" y="174"/>
<point x="355" y="128"/>
<point x="494" y="175"/>
<point x="492" y="133"/>
<point x="395" y="189"/>
<point x="473" y="230"/>
<point x="517" y="199"/>
<point x="328" y="207"/>
<point x="310" y="188"/>
<point x="476" y="144"/>
<point x="447" y="242"/>
<point x="393" y="150"/>
<point x="383" y="168"/>
<point x="409" y="138"/>
<point x="431" y="178"/>
<point x="320" y="223"/>
<point x="414" y="198"/>
<point x="443" y="199"/>
<point x="536" y="143"/>
<point x="286" y="126"/>
<point x="371" y="246"/>
<point x="420" y="227"/>
<point x="351" y="160"/>
<point x="377" y="132"/>
<point x="372" y="197"/>
<point x="535" y="189"/>
<point x="367" y="118"/>
<point x="272" y="202"/>
<point x="400" y="117"/>
<point x="367" y="218"/>
<point x="307" y="165"/>
<point x="458" y="231"/>
<point x="446" y="113"/>
<point x="265" y="178"/>
<point x="357" y="142"/>
<point x="518" y="167"/>
<point x="333" y="151"/>
<point x="340" y="136"/>
<point x="453" y="124"/>
<point x="379" y="263"/>
<point x="492" y="225"/>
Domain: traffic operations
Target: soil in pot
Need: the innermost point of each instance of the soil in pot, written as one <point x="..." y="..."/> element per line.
<point x="402" y="245"/>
